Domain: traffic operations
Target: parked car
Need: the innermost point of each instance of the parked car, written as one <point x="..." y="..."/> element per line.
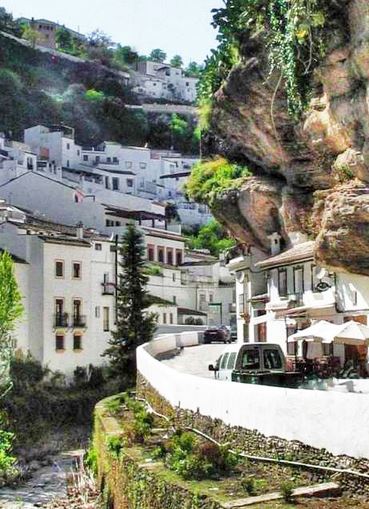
<point x="255" y="363"/>
<point x="220" y="333"/>
<point x="234" y="333"/>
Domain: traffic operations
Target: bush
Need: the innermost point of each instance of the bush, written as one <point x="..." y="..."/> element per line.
<point x="115" y="445"/>
<point x="248" y="484"/>
<point x="287" y="490"/>
<point x="194" y="459"/>
<point x="190" y="320"/>
<point x="41" y="401"/>
<point x="212" y="237"/>
<point x="94" y="95"/>
<point x="26" y="371"/>
<point x="91" y="460"/>
<point x="6" y="459"/>
<point x="209" y="178"/>
<point x="142" y="424"/>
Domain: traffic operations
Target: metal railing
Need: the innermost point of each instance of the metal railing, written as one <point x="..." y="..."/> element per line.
<point x="61" y="320"/>
<point x="108" y="288"/>
<point x="79" y="321"/>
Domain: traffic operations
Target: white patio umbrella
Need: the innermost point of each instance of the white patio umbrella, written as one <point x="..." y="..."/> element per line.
<point x="321" y="331"/>
<point x="352" y="333"/>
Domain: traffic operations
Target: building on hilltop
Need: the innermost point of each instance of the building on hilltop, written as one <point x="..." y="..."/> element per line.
<point x="163" y="81"/>
<point x="47" y="31"/>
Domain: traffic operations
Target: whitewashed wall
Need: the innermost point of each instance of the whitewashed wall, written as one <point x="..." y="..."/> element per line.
<point x="330" y="420"/>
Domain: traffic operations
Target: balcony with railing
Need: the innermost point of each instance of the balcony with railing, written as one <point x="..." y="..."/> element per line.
<point x="108" y="288"/>
<point x="296" y="299"/>
<point x="61" y="320"/>
<point x="79" y="322"/>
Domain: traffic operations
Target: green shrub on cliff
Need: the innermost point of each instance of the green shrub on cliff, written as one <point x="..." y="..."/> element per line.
<point x="294" y="32"/>
<point x="209" y="178"/>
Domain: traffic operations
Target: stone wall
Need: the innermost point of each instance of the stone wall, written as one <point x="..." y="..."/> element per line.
<point x="254" y="443"/>
<point x="128" y="482"/>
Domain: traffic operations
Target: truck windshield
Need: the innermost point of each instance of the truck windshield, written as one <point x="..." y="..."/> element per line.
<point x="272" y="359"/>
<point x="251" y="359"/>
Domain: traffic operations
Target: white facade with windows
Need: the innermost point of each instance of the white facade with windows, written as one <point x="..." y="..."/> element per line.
<point x="69" y="306"/>
<point x="139" y="171"/>
<point x="67" y="276"/>
<point x="286" y="292"/>
<point x="163" y="81"/>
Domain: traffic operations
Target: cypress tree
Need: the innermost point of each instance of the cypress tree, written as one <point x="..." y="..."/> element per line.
<point x="135" y="325"/>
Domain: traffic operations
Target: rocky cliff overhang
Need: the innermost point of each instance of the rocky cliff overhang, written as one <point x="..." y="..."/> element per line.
<point x="310" y="177"/>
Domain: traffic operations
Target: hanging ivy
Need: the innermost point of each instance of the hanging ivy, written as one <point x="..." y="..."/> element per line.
<point x="294" y="34"/>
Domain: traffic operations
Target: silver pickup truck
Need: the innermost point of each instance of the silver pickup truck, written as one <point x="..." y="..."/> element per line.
<point x="255" y="363"/>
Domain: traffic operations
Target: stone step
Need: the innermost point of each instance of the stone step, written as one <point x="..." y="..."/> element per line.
<point x="330" y="489"/>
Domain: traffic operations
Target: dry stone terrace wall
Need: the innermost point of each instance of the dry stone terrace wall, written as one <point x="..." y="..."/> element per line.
<point x="254" y="443"/>
<point x="253" y="416"/>
<point x="126" y="481"/>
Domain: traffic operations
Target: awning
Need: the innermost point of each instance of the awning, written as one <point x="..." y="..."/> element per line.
<point x="321" y="331"/>
<point x="349" y="333"/>
<point x="352" y="333"/>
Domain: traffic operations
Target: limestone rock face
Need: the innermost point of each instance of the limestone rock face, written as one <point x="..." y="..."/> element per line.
<point x="344" y="234"/>
<point x="310" y="177"/>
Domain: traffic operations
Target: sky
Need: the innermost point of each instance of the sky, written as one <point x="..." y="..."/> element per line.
<point x="176" y="26"/>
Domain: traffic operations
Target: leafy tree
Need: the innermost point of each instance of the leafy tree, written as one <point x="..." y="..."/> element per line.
<point x="135" y="325"/>
<point x="171" y="212"/>
<point x="211" y="236"/>
<point x="158" y="55"/>
<point x="7" y="23"/>
<point x="64" y="39"/>
<point x="193" y="69"/>
<point x="30" y="35"/>
<point x="183" y="134"/>
<point x="125" y="55"/>
<point x="99" y="38"/>
<point x="10" y="310"/>
<point x="178" y="125"/>
<point x="177" y="61"/>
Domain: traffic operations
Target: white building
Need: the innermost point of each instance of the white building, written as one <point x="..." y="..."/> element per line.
<point x="139" y="171"/>
<point x="54" y="144"/>
<point x="163" y="81"/>
<point x="65" y="276"/>
<point x="286" y="292"/>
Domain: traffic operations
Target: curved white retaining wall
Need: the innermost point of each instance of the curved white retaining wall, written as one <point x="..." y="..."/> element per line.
<point x="335" y="421"/>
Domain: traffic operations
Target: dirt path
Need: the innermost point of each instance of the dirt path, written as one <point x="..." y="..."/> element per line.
<point x="46" y="484"/>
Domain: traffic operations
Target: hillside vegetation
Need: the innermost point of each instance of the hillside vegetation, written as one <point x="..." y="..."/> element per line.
<point x="43" y="88"/>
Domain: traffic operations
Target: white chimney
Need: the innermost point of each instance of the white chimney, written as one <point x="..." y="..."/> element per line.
<point x="275" y="243"/>
<point x="79" y="230"/>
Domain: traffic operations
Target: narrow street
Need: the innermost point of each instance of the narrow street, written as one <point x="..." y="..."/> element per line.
<point x="195" y="360"/>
